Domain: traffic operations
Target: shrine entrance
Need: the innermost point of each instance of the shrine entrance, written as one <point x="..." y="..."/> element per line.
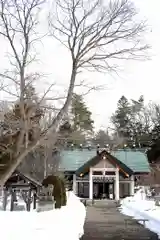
<point x="103" y="190"/>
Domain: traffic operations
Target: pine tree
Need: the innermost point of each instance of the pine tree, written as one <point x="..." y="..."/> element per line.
<point x="80" y="120"/>
<point x="81" y="115"/>
<point x="121" y="117"/>
<point x="102" y="138"/>
<point x="130" y="121"/>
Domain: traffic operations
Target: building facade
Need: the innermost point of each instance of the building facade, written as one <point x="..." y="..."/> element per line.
<point x="105" y="175"/>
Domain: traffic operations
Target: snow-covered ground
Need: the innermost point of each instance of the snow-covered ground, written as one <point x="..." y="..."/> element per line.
<point x="140" y="208"/>
<point x="60" y="224"/>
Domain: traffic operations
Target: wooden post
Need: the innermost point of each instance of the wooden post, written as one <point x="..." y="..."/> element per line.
<point x="4" y="199"/>
<point x="28" y="204"/>
<point x="90" y="185"/>
<point x="12" y="201"/>
<point x="34" y="200"/>
<point x="74" y="184"/>
<point x="132" y="186"/>
<point x="117" y="185"/>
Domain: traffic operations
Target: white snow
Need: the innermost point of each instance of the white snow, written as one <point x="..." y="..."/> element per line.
<point x="58" y="224"/>
<point x="140" y="208"/>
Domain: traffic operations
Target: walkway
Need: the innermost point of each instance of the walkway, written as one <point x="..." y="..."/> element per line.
<point x="105" y="222"/>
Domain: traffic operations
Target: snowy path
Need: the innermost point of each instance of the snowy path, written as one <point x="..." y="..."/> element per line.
<point x="105" y="222"/>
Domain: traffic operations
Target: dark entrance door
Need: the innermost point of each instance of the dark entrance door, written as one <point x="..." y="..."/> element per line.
<point x="103" y="190"/>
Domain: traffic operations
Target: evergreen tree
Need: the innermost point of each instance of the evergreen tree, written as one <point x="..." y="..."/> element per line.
<point x="102" y="138"/>
<point x="138" y="127"/>
<point x="130" y="121"/>
<point x="121" y="117"/>
<point x="81" y="123"/>
<point x="81" y="115"/>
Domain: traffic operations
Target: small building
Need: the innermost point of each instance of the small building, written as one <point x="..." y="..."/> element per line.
<point x="102" y="174"/>
<point x="23" y="184"/>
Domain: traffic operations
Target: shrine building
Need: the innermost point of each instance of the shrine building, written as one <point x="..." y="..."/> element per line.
<point x="98" y="174"/>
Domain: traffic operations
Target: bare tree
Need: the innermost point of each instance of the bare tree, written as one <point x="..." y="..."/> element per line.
<point x="146" y="119"/>
<point x="153" y="110"/>
<point x="18" y="21"/>
<point x="4" y="107"/>
<point x="51" y="159"/>
<point x="97" y="34"/>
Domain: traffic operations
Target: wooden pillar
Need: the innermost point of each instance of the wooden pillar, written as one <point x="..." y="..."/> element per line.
<point x="74" y="184"/>
<point x="132" y="186"/>
<point x="34" y="200"/>
<point x="4" y="197"/>
<point x="90" y="185"/>
<point x="12" y="201"/>
<point x="117" y="185"/>
<point x="28" y="202"/>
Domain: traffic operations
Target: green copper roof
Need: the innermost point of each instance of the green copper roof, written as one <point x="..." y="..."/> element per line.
<point x="71" y="160"/>
<point x="135" y="160"/>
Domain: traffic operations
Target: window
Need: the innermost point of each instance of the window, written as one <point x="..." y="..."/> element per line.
<point x="97" y="173"/>
<point x="109" y="173"/>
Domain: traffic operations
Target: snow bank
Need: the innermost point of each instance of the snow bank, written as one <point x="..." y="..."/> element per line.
<point x="64" y="223"/>
<point x="140" y="208"/>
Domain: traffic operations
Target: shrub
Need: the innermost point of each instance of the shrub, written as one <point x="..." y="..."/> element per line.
<point x="59" y="191"/>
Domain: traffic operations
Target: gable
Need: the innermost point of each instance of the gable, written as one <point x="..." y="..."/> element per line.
<point x="103" y="163"/>
<point x="102" y="159"/>
<point x="20" y="178"/>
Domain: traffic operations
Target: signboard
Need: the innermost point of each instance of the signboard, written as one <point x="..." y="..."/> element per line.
<point x="103" y="179"/>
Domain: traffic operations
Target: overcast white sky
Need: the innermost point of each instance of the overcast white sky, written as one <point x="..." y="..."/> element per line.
<point x="138" y="78"/>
